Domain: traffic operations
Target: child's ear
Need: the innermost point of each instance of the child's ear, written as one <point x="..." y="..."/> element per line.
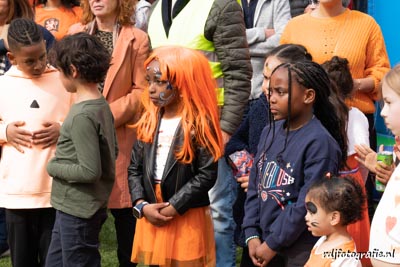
<point x="335" y="218"/>
<point x="11" y="57"/>
<point x="74" y="71"/>
<point x="309" y="96"/>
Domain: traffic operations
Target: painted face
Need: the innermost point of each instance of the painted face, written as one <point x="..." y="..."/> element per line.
<point x="270" y="64"/>
<point x="391" y="108"/>
<point x="31" y="60"/>
<point x="104" y="8"/>
<point x="279" y="97"/>
<point x="317" y="219"/>
<point x="161" y="92"/>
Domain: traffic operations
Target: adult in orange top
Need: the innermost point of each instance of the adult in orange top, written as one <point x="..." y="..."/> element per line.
<point x="333" y="30"/>
<point x="57" y="15"/>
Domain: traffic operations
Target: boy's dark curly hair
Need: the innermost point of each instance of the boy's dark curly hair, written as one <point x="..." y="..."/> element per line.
<point x="85" y="52"/>
<point x="343" y="194"/>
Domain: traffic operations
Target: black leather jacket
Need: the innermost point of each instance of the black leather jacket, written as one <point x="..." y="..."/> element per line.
<point x="184" y="186"/>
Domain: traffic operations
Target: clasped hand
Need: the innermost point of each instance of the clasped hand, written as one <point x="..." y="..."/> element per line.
<point x="260" y="253"/>
<point x="159" y="214"/>
<point x="19" y="137"/>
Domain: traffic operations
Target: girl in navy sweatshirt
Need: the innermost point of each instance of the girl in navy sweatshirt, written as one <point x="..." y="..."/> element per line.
<point x="305" y="139"/>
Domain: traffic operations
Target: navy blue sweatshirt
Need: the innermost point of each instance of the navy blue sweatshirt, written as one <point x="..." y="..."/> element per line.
<point x="275" y="207"/>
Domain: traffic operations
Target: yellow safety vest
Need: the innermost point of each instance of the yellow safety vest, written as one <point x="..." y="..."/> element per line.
<point x="187" y="30"/>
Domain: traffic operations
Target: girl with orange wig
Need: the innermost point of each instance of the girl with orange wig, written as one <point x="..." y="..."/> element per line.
<point x="174" y="161"/>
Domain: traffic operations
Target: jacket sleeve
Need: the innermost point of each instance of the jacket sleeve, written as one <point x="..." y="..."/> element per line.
<point x="240" y="139"/>
<point x="135" y="172"/>
<point x="205" y="176"/>
<point x="377" y="62"/>
<point x="258" y="44"/>
<point x="126" y="108"/>
<point x="225" y="27"/>
<point x="87" y="168"/>
<point x="251" y="220"/>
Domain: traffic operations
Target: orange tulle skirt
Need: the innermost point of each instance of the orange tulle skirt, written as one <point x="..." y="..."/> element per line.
<point x="187" y="241"/>
<point x="359" y="230"/>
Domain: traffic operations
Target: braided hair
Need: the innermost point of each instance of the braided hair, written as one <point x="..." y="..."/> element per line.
<point x="285" y="53"/>
<point x="290" y="52"/>
<point x="311" y="75"/>
<point x="23" y="32"/>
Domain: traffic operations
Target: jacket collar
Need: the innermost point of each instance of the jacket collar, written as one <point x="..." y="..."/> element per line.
<point x="120" y="52"/>
<point x="167" y="15"/>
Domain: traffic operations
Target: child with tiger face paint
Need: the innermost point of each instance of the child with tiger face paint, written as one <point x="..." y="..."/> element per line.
<point x="333" y="203"/>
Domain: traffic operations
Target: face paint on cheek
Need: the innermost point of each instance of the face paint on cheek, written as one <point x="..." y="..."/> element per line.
<point x="165" y="99"/>
<point x="157" y="73"/>
<point x="311" y="207"/>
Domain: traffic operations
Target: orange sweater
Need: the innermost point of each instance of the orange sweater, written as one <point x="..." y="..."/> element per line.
<point x="57" y="21"/>
<point x="352" y="35"/>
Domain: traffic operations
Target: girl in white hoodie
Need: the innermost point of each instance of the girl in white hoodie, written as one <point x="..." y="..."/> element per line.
<point x="33" y="103"/>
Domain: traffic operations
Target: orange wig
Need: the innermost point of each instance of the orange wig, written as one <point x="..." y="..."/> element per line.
<point x="189" y="71"/>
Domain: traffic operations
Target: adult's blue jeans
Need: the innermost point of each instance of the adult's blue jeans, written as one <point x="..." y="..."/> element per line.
<point x="75" y="241"/>
<point x="222" y="196"/>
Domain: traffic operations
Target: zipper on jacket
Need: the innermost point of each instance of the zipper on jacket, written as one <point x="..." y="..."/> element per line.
<point x="177" y="180"/>
<point x="152" y="189"/>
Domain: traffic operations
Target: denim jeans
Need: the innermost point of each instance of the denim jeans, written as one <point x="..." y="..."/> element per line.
<point x="75" y="241"/>
<point x="222" y="196"/>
